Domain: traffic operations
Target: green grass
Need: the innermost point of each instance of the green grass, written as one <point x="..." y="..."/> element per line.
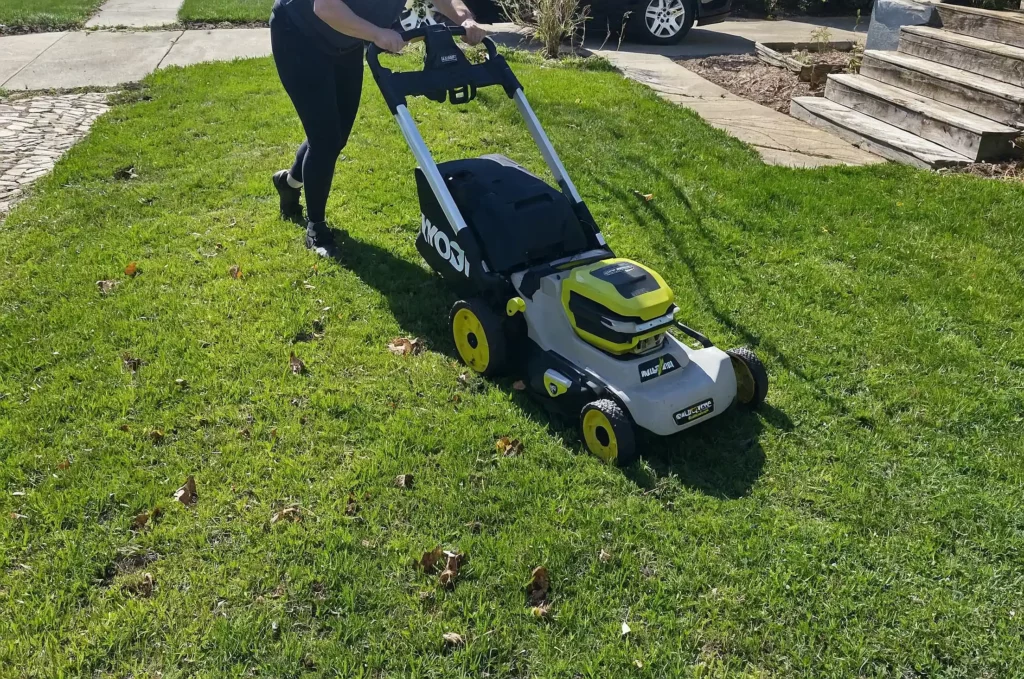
<point x="225" y="10"/>
<point x="867" y="522"/>
<point x="46" y="15"/>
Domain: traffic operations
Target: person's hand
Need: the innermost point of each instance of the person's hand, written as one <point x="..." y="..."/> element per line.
<point x="389" y="41"/>
<point x="475" y="33"/>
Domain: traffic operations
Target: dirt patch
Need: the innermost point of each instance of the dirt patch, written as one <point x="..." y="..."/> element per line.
<point x="747" y="76"/>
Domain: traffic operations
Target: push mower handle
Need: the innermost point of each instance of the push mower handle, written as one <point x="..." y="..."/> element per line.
<point x="446" y="73"/>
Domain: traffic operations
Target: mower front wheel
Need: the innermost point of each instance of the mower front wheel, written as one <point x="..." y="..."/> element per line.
<point x="608" y="433"/>
<point x="479" y="335"/>
<point x="751" y="377"/>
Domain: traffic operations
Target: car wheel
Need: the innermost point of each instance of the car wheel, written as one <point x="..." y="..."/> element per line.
<point x="419" y="13"/>
<point x="662" y="22"/>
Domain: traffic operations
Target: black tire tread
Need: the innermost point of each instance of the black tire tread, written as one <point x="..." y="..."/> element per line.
<point x="494" y="329"/>
<point x="621" y="424"/>
<point x="757" y="370"/>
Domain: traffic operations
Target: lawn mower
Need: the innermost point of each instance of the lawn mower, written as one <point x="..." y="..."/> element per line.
<point x="543" y="294"/>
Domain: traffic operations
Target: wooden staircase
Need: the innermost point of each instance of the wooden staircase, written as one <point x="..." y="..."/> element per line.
<point x="948" y="96"/>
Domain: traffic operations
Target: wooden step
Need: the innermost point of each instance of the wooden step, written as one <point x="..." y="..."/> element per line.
<point x="987" y="24"/>
<point x="986" y="97"/>
<point x="955" y="129"/>
<point x="873" y="135"/>
<point x="984" y="57"/>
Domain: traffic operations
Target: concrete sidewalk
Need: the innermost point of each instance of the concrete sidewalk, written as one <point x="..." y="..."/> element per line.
<point x="108" y="58"/>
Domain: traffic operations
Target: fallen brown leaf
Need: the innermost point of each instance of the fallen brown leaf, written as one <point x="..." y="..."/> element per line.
<point x="64" y="465"/>
<point x="451" y="569"/>
<point x="404" y="346"/>
<point x="296" y="364"/>
<point x="537" y="588"/>
<point x="130" y="363"/>
<point x="15" y="516"/>
<point x="404" y="481"/>
<point x="235" y="271"/>
<point x="352" y="506"/>
<point x="124" y="427"/>
<point x="244" y="433"/>
<point x="187" y="494"/>
<point x="604" y="556"/>
<point x="132" y="270"/>
<point x="519" y="385"/>
<point x="508" y="446"/>
<point x="156" y="435"/>
<point x="290" y="513"/>
<point x="648" y="197"/>
<point x="141" y="586"/>
<point x="143" y="519"/>
<point x="429" y="561"/>
<point x="107" y="287"/>
<point x="453" y="640"/>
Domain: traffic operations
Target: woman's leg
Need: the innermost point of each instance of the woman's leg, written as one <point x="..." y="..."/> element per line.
<point x="308" y="76"/>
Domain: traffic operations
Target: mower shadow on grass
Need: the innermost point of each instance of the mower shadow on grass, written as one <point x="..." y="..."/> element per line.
<point x="722" y="460"/>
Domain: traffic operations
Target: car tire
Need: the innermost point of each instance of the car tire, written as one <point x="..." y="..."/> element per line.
<point x="662" y="22"/>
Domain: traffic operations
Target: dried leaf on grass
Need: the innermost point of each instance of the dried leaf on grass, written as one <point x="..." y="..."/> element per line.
<point x="107" y="287"/>
<point x="132" y="270"/>
<point x="66" y="464"/>
<point x="430" y="560"/>
<point x="125" y="173"/>
<point x="451" y="569"/>
<point x="130" y="363"/>
<point x="453" y="640"/>
<point x="296" y="364"/>
<point x="648" y="197"/>
<point x="291" y="513"/>
<point x="538" y="587"/>
<point x="351" y="507"/>
<point x="508" y="446"/>
<point x="604" y="556"/>
<point x="235" y="271"/>
<point x="404" y="346"/>
<point x="143" y="519"/>
<point x="140" y="586"/>
<point x="156" y="435"/>
<point x="404" y="481"/>
<point x="187" y="494"/>
<point x="542" y="611"/>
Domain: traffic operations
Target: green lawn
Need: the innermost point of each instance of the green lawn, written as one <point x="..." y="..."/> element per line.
<point x="225" y="10"/>
<point x="46" y="15"/>
<point x="867" y="522"/>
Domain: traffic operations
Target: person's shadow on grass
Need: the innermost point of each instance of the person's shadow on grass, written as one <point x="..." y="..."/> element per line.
<point x="723" y="459"/>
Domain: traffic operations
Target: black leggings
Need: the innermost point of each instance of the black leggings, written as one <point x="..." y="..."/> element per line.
<point x="325" y="90"/>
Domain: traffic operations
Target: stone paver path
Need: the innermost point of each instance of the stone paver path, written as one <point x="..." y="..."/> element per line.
<point x="35" y="132"/>
<point x="777" y="137"/>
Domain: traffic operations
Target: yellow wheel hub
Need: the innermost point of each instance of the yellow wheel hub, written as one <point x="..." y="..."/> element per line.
<point x="745" y="387"/>
<point x="600" y="437"/>
<point x="470" y="340"/>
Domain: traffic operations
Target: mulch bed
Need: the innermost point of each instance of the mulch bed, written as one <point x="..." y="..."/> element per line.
<point x="749" y="77"/>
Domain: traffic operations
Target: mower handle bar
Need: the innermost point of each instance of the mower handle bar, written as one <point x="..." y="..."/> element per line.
<point x="446" y="73"/>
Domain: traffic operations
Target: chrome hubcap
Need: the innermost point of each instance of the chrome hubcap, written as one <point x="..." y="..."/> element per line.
<point x="418" y="13"/>
<point x="665" y="17"/>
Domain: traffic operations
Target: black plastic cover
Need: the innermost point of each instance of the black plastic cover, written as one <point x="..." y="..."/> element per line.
<point x="518" y="219"/>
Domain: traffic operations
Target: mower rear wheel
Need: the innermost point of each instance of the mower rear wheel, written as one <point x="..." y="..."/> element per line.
<point x="608" y="433"/>
<point x="751" y="377"/>
<point x="479" y="336"/>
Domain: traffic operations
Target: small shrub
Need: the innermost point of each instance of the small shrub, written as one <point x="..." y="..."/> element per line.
<point x="549" y="21"/>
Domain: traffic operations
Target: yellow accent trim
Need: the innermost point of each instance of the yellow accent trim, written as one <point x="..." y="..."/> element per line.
<point x="465" y="325"/>
<point x="593" y="422"/>
<point x="553" y="387"/>
<point x="516" y="305"/>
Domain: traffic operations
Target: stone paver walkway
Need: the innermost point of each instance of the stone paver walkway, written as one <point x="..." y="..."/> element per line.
<point x="35" y="132"/>
<point x="778" y="138"/>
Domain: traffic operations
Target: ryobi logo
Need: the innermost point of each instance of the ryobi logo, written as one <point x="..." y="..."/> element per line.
<point x="657" y="367"/>
<point x="448" y="249"/>
<point x="695" y="412"/>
